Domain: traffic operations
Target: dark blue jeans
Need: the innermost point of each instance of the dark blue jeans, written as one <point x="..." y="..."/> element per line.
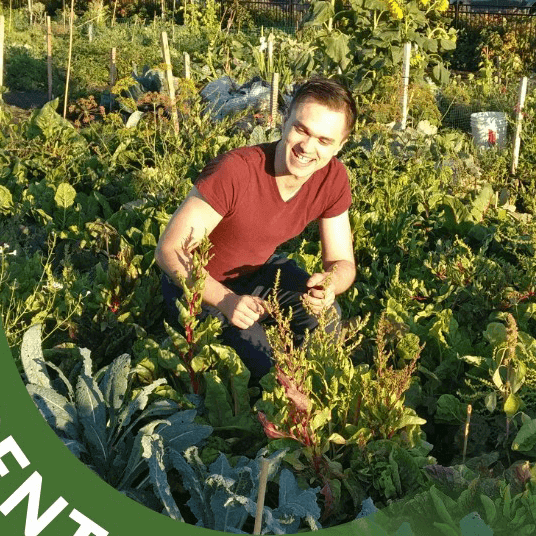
<point x="251" y="344"/>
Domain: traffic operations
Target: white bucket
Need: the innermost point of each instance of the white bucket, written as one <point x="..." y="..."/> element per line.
<point x="489" y="129"/>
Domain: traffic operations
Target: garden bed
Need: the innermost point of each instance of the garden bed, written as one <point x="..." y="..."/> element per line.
<point x="439" y="326"/>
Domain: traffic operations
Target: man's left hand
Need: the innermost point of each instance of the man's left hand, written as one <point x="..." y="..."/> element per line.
<point x="321" y="293"/>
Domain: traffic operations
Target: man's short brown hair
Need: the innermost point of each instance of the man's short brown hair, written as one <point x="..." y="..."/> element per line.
<point x="331" y="94"/>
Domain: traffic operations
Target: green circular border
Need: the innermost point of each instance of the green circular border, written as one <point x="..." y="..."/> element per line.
<point x="64" y="475"/>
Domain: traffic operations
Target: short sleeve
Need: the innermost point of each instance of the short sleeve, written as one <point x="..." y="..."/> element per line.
<point x="340" y="197"/>
<point x="220" y="182"/>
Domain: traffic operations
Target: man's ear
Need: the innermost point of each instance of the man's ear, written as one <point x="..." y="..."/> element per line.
<point x="340" y="146"/>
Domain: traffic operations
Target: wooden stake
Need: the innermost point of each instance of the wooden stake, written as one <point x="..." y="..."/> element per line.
<point x="30" y="11"/>
<point x="330" y="21"/>
<point x="10" y="13"/>
<point x="113" y="67"/>
<point x="173" y="21"/>
<point x="70" y="55"/>
<point x="90" y="32"/>
<point x="163" y="8"/>
<point x="405" y="82"/>
<point x="466" y="431"/>
<point x="271" y="53"/>
<point x="274" y="92"/>
<point x="169" y="77"/>
<point x="49" y="58"/>
<point x="519" y="121"/>
<point x="2" y="27"/>
<point x="263" y="478"/>
<point x="114" y="12"/>
<point x="187" y="73"/>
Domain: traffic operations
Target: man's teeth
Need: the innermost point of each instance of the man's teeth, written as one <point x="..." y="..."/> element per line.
<point x="303" y="159"/>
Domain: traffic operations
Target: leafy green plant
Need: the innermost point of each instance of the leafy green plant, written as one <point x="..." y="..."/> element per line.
<point x="325" y="408"/>
<point x="371" y="35"/>
<point x="104" y="422"/>
<point x="224" y="497"/>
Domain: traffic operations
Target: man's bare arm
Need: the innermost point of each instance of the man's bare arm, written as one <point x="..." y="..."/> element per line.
<point x="338" y="262"/>
<point x="191" y="222"/>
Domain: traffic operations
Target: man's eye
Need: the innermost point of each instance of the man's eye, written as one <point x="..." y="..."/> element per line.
<point x="299" y="129"/>
<point x="323" y="142"/>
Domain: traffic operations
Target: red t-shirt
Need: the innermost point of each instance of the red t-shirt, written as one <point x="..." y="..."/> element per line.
<point x="240" y="185"/>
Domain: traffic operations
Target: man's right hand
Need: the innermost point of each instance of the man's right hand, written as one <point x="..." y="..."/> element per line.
<point x="242" y="311"/>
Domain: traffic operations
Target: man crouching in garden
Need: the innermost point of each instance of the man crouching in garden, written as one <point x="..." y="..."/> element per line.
<point x="249" y="201"/>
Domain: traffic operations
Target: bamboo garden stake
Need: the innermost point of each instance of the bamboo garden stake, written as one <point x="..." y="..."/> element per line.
<point x="114" y="12"/>
<point x="519" y="121"/>
<point x="187" y="73"/>
<point x="113" y="67"/>
<point x="466" y="431"/>
<point x="273" y="99"/>
<point x="263" y="478"/>
<point x="169" y="77"/>
<point x="49" y="58"/>
<point x="173" y="20"/>
<point x="271" y="53"/>
<point x="2" y="27"/>
<point x="70" y="55"/>
<point x="405" y="82"/>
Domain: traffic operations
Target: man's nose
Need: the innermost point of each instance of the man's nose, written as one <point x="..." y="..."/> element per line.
<point x="307" y="144"/>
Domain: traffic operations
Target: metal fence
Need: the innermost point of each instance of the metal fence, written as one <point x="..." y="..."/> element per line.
<point x="288" y="14"/>
<point x="283" y="14"/>
<point x="519" y="20"/>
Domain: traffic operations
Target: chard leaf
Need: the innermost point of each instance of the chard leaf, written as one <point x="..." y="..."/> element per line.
<point x="220" y="412"/>
<point x="32" y="358"/>
<point x="439" y="500"/>
<point x="92" y="416"/>
<point x="238" y="375"/>
<point x="408" y="420"/>
<point x="450" y="409"/>
<point x="525" y="439"/>
<point x="59" y="413"/>
<point x="157" y="472"/>
<point x="495" y="333"/>
<point x="65" y="195"/>
<point x="489" y="507"/>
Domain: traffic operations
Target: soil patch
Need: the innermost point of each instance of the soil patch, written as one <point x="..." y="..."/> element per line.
<point x="21" y="103"/>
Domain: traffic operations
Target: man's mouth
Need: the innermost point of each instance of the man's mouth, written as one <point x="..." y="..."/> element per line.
<point x="302" y="158"/>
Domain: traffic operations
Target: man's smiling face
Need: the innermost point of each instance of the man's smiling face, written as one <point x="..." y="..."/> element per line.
<point x="312" y="135"/>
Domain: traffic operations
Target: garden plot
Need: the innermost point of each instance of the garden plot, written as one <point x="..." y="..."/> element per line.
<point x="425" y="401"/>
